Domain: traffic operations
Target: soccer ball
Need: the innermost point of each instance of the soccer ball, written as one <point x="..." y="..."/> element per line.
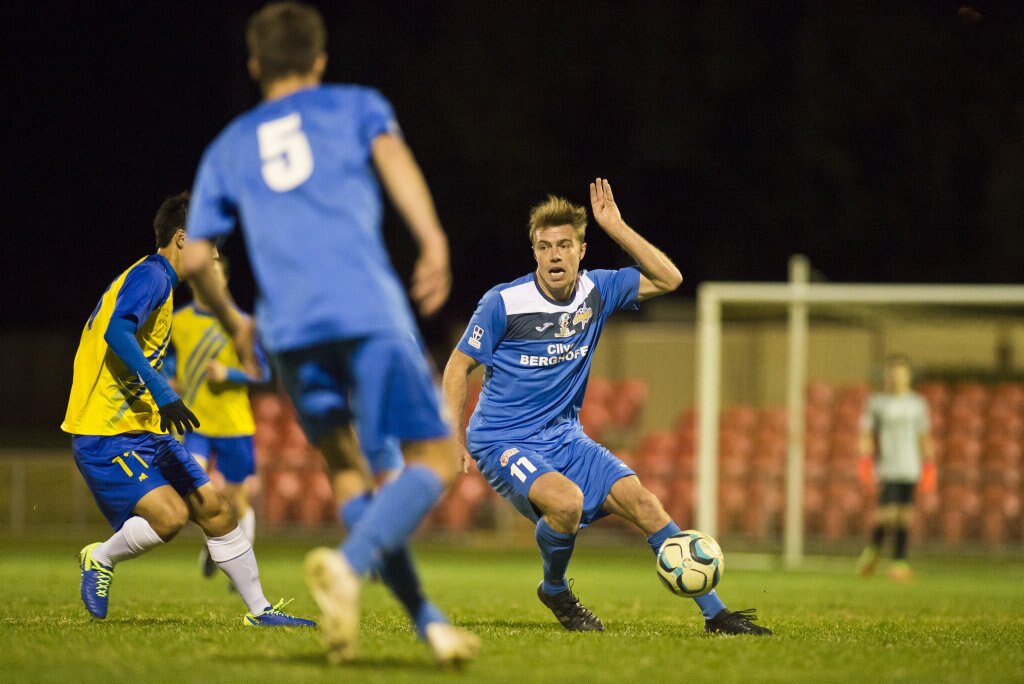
<point x="690" y="563"/>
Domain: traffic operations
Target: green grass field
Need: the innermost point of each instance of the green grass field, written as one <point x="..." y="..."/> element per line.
<point x="960" y="621"/>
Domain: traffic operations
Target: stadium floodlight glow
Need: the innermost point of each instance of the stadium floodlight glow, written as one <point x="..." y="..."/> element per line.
<point x="798" y="295"/>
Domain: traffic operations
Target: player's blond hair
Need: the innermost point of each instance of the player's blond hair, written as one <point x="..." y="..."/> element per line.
<point x="558" y="211"/>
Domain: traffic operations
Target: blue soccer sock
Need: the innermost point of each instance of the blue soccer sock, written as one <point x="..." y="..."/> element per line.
<point x="556" y="550"/>
<point x="391" y="517"/>
<point x="710" y="605"/>
<point x="396" y="571"/>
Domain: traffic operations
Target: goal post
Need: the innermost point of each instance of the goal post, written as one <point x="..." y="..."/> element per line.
<point x="798" y="295"/>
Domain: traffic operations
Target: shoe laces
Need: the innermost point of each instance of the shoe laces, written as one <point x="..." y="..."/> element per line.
<point x="571" y="605"/>
<point x="276" y="608"/>
<point x="746" y="615"/>
<point x="103" y="578"/>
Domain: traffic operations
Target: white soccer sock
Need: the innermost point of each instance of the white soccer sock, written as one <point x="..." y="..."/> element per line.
<point x="248" y="524"/>
<point x="233" y="553"/>
<point x="133" y="539"/>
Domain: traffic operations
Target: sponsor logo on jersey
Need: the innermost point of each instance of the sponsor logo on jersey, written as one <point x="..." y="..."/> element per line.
<point x="507" y="454"/>
<point x="474" y="340"/>
<point x="544" y="326"/>
<point x="563" y="326"/>
<point x="583" y="315"/>
<point x="557" y="353"/>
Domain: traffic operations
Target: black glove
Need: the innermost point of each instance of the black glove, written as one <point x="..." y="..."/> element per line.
<point x="177" y="415"/>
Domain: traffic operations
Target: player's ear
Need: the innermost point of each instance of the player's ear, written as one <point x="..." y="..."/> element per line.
<point x="179" y="238"/>
<point x="320" y="64"/>
<point x="254" y="68"/>
<point x="583" y="250"/>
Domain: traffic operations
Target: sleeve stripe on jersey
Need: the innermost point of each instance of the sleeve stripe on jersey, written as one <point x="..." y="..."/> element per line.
<point x="161" y="349"/>
<point x="193" y="382"/>
<point x="197" y="352"/>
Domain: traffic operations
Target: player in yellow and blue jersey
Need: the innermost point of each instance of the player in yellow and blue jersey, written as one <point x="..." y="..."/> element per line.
<point x="206" y="370"/>
<point x="301" y="174"/>
<point x="119" y="414"/>
<point x="536" y="337"/>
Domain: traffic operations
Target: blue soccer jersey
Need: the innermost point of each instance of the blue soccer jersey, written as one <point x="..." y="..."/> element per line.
<point x="537" y="354"/>
<point x="297" y="174"/>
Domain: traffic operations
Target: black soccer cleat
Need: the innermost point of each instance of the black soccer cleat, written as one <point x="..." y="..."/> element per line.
<point x="574" y="616"/>
<point x="735" y="622"/>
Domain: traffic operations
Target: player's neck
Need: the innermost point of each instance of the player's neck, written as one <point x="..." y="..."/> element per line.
<point x="562" y="294"/>
<point x="173" y="256"/>
<point x="283" y="87"/>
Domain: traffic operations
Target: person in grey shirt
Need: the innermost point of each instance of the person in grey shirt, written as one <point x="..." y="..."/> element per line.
<point x="895" y="434"/>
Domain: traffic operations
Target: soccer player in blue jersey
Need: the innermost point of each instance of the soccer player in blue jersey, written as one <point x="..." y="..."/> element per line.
<point x="119" y="414"/>
<point x="536" y="336"/>
<point x="299" y="173"/>
<point x="206" y="370"/>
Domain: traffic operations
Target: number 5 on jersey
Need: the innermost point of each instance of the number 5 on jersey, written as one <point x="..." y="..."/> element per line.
<point x="285" y="152"/>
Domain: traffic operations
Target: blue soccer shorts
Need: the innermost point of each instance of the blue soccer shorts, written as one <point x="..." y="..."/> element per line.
<point x="121" y="469"/>
<point x="234" y="455"/>
<point x="382" y="383"/>
<point x="512" y="467"/>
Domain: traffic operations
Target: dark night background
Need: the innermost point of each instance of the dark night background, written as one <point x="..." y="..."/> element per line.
<point x="883" y="140"/>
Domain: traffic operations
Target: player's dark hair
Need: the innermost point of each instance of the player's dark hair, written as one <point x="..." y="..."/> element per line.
<point x="170" y="217"/>
<point x="285" y="38"/>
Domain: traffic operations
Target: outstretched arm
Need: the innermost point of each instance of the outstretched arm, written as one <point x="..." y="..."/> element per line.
<point x="407" y="188"/>
<point x="658" y="275"/>
<point x="456" y="388"/>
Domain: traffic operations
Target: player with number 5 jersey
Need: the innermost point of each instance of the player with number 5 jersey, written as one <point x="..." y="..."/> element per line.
<point x="299" y="173"/>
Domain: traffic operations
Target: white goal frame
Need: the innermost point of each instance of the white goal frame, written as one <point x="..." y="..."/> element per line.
<point x="797" y="294"/>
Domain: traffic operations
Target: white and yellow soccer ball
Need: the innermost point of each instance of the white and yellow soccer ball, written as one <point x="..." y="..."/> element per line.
<point x="690" y="563"/>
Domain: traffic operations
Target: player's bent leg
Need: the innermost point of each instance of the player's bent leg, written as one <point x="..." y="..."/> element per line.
<point x="164" y="510"/>
<point x="629" y="499"/>
<point x="560" y="502"/>
<point x="232" y="551"/>
<point x="159" y="515"/>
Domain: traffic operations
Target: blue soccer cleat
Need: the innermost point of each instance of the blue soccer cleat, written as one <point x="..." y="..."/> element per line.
<point x="275" y="617"/>
<point x="96" y="579"/>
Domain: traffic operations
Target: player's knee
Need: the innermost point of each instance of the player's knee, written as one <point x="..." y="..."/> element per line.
<point x="647" y="510"/>
<point x="440" y="455"/>
<point x="565" y="512"/>
<point x="168" y="519"/>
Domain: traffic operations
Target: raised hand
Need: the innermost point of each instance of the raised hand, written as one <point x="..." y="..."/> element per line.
<point x="602" y="204"/>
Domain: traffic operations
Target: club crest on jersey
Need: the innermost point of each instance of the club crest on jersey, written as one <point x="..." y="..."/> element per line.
<point x="507" y="454"/>
<point x="474" y="339"/>
<point x="582" y="315"/>
<point x="563" y="327"/>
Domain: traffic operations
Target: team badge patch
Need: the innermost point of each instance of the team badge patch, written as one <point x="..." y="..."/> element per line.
<point x="563" y="326"/>
<point x="474" y="340"/>
<point x="583" y="315"/>
<point x="507" y="454"/>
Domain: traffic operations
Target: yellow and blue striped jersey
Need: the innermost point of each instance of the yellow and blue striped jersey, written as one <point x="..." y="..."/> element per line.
<point x="223" y="408"/>
<point x="107" y="398"/>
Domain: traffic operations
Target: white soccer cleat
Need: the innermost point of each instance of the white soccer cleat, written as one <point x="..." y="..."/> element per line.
<point x="335" y="588"/>
<point x="451" y="646"/>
